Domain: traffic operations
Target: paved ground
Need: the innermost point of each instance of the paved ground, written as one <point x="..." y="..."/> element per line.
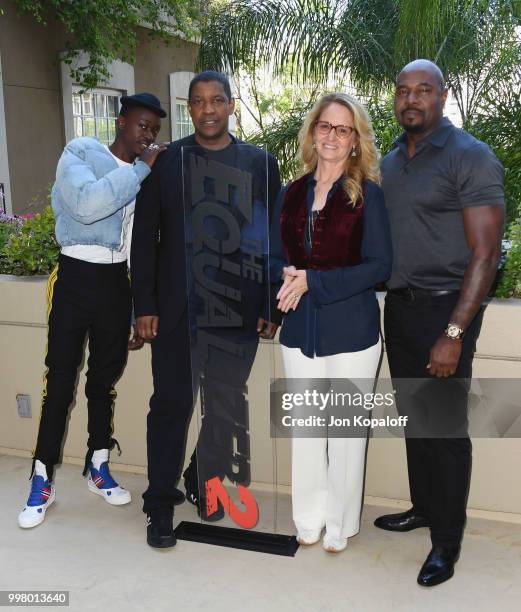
<point x="99" y="554"/>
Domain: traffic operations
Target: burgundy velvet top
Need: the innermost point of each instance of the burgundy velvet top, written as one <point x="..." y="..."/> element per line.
<point x="337" y="235"/>
<point x="350" y="252"/>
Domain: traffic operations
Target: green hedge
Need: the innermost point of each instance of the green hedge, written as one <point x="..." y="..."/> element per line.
<point x="28" y="245"/>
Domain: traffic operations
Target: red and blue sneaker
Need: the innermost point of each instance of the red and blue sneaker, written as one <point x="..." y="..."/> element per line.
<point x="101" y="483"/>
<point x="40" y="498"/>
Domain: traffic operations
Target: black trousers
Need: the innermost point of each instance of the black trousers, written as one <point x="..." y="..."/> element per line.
<point x="177" y="372"/>
<point x="93" y="300"/>
<point x="223" y="445"/>
<point x="169" y="416"/>
<point x="439" y="468"/>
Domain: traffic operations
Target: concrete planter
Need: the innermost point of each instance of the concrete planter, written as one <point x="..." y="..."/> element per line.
<point x="22" y="352"/>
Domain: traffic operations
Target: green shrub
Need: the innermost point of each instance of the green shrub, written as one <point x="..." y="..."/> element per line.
<point x="510" y="280"/>
<point x="9" y="225"/>
<point x="386" y="128"/>
<point x="498" y="123"/>
<point x="31" y="248"/>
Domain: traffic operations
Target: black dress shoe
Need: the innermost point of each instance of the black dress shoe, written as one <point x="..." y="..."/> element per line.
<point x="439" y="565"/>
<point x="200" y="504"/>
<point x="402" y="521"/>
<point x="160" y="530"/>
<point x="179" y="497"/>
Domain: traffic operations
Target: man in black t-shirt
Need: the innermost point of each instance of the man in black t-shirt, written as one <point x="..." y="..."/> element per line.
<point x="159" y="287"/>
<point x="444" y="193"/>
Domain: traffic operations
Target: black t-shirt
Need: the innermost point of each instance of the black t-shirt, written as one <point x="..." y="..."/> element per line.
<point x="236" y="190"/>
<point x="425" y="196"/>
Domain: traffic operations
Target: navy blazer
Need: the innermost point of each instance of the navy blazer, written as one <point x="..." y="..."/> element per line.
<point x="340" y="312"/>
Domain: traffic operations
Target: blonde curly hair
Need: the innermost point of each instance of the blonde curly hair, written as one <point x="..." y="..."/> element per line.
<point x="357" y="169"/>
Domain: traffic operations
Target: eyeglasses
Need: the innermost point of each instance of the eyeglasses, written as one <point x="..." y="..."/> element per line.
<point x="342" y="131"/>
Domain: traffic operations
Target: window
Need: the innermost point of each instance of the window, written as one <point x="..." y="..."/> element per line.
<point x="120" y="80"/>
<point x="95" y="113"/>
<point x="184" y="126"/>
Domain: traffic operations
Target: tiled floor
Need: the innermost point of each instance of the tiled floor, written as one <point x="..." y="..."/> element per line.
<point x="99" y="554"/>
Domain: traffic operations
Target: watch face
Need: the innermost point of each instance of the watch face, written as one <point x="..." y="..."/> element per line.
<point x="453" y="331"/>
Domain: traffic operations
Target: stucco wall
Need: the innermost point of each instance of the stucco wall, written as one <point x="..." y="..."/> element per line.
<point x="32" y="95"/>
<point x="22" y="348"/>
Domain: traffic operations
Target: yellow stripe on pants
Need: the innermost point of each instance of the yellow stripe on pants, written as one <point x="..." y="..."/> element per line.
<point x="53" y="277"/>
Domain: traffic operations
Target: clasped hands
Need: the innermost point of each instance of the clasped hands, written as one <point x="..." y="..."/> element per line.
<point x="294" y="286"/>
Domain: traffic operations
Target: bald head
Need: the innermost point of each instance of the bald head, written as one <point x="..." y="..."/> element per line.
<point x="427" y="66"/>
<point x="419" y="97"/>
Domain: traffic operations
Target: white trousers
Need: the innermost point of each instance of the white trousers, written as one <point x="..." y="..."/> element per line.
<point x="327" y="474"/>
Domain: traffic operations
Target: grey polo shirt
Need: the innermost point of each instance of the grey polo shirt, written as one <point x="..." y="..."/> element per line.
<point x="425" y="196"/>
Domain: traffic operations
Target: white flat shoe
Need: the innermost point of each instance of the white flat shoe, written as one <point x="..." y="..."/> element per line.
<point x="334" y="545"/>
<point x="307" y="537"/>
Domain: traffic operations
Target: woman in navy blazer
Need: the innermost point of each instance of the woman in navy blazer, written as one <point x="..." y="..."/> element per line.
<point x="330" y="244"/>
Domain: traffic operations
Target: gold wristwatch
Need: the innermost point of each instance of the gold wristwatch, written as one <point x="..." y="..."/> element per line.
<point x="453" y="331"/>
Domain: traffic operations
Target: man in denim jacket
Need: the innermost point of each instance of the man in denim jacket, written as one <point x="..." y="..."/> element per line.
<point x="88" y="293"/>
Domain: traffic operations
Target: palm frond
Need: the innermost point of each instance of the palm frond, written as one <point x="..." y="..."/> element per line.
<point x="311" y="38"/>
<point x="367" y="40"/>
<point x="280" y="139"/>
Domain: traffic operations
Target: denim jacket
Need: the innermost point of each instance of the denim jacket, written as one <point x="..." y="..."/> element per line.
<point x="90" y="193"/>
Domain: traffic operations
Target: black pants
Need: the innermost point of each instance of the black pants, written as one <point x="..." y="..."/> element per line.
<point x="439" y="468"/>
<point x="84" y="299"/>
<point x="223" y="446"/>
<point x="169" y="415"/>
<point x="223" y="378"/>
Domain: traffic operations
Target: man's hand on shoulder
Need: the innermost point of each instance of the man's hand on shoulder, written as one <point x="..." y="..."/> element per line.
<point x="147" y="326"/>
<point x="150" y="154"/>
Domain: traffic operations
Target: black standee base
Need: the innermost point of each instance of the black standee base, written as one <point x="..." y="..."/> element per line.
<point x="272" y="543"/>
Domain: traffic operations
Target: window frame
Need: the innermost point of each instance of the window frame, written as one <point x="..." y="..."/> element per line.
<point x="184" y="103"/>
<point x="121" y="79"/>
<point x="114" y="93"/>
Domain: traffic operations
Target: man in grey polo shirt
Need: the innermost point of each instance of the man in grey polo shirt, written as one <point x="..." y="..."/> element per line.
<point x="444" y="193"/>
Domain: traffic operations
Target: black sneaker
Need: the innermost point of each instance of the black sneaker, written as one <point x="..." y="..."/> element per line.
<point x="160" y="530"/>
<point x="179" y="497"/>
<point x="200" y="503"/>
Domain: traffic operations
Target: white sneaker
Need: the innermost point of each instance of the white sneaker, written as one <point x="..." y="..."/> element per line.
<point x="40" y="498"/>
<point x="334" y="545"/>
<point x="307" y="537"/>
<point x="101" y="483"/>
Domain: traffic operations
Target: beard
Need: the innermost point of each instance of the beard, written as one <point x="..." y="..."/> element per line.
<point x="416" y="128"/>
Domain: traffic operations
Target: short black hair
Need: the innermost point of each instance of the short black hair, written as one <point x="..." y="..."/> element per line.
<point x="211" y="75"/>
